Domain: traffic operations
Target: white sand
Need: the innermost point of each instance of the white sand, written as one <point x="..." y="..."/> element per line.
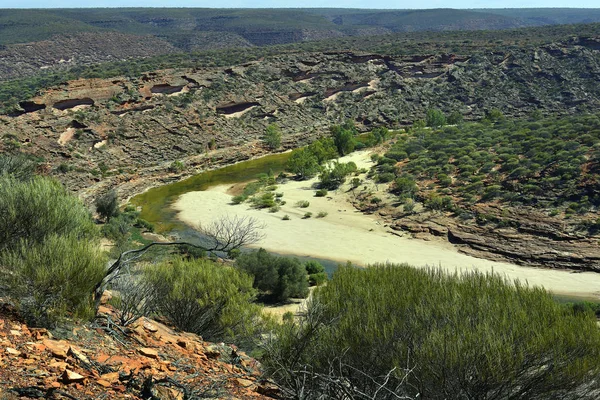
<point x="346" y="234"/>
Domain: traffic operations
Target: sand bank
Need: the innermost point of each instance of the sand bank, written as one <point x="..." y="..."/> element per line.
<point x="348" y="235"/>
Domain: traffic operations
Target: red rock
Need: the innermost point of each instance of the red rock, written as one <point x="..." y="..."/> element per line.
<point x="103" y="383"/>
<point x="151" y="353"/>
<point x="111" y="377"/>
<point x="150" y="327"/>
<point x="55" y="384"/>
<point x="69" y="376"/>
<point x="106" y="297"/>
<point x="58" y="349"/>
<point x="13" y="352"/>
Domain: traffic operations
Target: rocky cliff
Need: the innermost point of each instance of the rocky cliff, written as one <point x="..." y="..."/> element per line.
<point x="107" y="132"/>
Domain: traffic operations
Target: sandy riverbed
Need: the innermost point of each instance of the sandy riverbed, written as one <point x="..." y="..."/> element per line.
<point x="348" y="235"/>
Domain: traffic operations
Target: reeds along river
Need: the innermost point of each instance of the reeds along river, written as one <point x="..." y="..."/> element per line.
<point x="155" y="202"/>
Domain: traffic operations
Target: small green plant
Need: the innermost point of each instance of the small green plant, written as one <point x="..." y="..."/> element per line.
<point x="274" y="209"/>
<point x="321" y="193"/>
<point x="286" y="217"/>
<point x="322" y="214"/>
<point x="302" y="204"/>
<point x="307" y="215"/>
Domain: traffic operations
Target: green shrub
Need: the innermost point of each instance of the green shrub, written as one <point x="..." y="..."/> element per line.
<point x="307" y="215"/>
<point x="302" y="203"/>
<point x="143" y="224"/>
<point x="17" y="166"/>
<point x="285" y="217"/>
<point x="272" y="136"/>
<point x="238" y="199"/>
<point x="470" y="336"/>
<point x="37" y="208"/>
<point x="49" y="280"/>
<point x="107" y="205"/>
<point x="205" y="298"/>
<point x="176" y="166"/>
<point x="313" y="267"/>
<point x="322" y="214"/>
<point x="321" y="193"/>
<point x="317" y="279"/>
<point x="278" y="278"/>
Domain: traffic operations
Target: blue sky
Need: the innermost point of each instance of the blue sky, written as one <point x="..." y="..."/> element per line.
<point x="303" y="3"/>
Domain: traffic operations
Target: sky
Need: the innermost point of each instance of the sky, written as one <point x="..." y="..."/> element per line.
<point x="389" y="4"/>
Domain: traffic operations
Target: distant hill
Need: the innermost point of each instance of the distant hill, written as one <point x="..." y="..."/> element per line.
<point x="193" y="28"/>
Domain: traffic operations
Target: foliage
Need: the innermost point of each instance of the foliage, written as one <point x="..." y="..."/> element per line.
<point x="272" y="136"/>
<point x="107" y="205"/>
<point x="547" y="163"/>
<point x="278" y="278"/>
<point x="334" y="175"/>
<point x="303" y="163"/>
<point x="50" y="279"/>
<point x="321" y="193"/>
<point x="425" y="334"/>
<point x="343" y="138"/>
<point x="205" y="298"/>
<point x="177" y="166"/>
<point x="19" y="167"/>
<point x="38" y="208"/>
<point x="435" y="118"/>
<point x="302" y="203"/>
<point x="313" y="267"/>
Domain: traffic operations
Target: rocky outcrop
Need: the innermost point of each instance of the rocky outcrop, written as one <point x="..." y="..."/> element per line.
<point x="520" y="235"/>
<point x="145" y="360"/>
<point x="145" y="123"/>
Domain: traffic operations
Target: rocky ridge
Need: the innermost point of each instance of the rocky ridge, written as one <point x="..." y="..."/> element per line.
<point x="102" y="360"/>
<point x="98" y="133"/>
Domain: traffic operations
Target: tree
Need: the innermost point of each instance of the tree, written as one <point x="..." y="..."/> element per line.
<point x="343" y="138"/>
<point x="435" y="118"/>
<point x="378" y="135"/>
<point x="278" y="278"/>
<point x="394" y="331"/>
<point x="272" y="137"/>
<point x="223" y="235"/>
<point x="303" y="163"/>
<point x="107" y="205"/>
<point x="335" y="175"/>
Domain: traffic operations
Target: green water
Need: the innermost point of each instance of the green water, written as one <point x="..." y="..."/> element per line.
<point x="156" y="202"/>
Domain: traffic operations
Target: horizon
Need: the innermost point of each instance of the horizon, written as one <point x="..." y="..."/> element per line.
<point x="268" y="4"/>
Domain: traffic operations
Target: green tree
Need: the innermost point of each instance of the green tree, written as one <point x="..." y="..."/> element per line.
<point x="272" y="136"/>
<point x="303" y="163"/>
<point x="107" y="205"/>
<point x="278" y="278"/>
<point x="435" y="118"/>
<point x="334" y="175"/>
<point x="343" y="139"/>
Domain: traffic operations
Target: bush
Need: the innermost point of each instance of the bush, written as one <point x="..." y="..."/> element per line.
<point x="239" y="199"/>
<point x="272" y="136"/>
<point x="321" y="193"/>
<point x="51" y="279"/>
<point x="313" y="267"/>
<point x="19" y="167"/>
<point x="322" y="214"/>
<point x="176" y="167"/>
<point x="278" y="278"/>
<point x="317" y="279"/>
<point x="302" y="203"/>
<point x="202" y="297"/>
<point x="37" y="208"/>
<point x="107" y="205"/>
<point x="444" y="337"/>
<point x="285" y="217"/>
<point x="307" y="215"/>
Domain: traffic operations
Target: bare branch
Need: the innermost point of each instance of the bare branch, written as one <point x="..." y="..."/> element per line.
<point x="232" y="232"/>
